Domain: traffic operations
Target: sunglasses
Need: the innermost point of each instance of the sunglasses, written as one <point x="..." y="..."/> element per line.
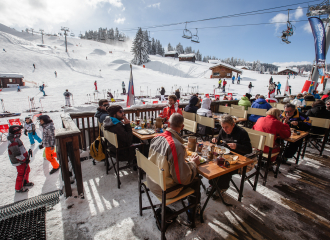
<point x="121" y="111"/>
<point x="106" y="105"/>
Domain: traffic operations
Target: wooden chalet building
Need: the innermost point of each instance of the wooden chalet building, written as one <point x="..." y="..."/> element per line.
<point x="187" y="57"/>
<point x="224" y="70"/>
<point x="11" y="80"/>
<point x="172" y="54"/>
<point x="286" y="71"/>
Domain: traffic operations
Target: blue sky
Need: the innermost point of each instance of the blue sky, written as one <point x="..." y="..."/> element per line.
<point x="247" y="42"/>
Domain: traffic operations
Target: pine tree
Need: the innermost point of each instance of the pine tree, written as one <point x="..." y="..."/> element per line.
<point x="153" y="47"/>
<point x="179" y="48"/>
<point x="169" y="47"/>
<point x="116" y="34"/>
<point x="146" y="38"/>
<point x="140" y="49"/>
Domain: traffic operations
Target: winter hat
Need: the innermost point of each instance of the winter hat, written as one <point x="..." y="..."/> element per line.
<point x="112" y="110"/>
<point x="15" y="129"/>
<point x="45" y="118"/>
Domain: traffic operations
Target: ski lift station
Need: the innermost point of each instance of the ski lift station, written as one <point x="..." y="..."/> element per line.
<point x="223" y="70"/>
<point x="187" y="57"/>
<point x="172" y="54"/>
<point x="8" y="80"/>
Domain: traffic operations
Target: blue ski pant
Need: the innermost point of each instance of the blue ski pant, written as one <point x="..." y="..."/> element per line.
<point x="32" y="137"/>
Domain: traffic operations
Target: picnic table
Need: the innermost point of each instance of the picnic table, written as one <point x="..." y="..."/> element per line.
<point x="144" y="136"/>
<point x="294" y="138"/>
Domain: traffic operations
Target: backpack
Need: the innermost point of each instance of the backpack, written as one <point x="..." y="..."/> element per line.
<point x="67" y="94"/>
<point x="96" y="149"/>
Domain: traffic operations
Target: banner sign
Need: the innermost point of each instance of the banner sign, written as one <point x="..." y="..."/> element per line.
<point x="319" y="41"/>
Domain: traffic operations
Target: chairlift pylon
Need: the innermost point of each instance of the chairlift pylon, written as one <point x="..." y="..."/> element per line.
<point x="186" y="33"/>
<point x="195" y="37"/>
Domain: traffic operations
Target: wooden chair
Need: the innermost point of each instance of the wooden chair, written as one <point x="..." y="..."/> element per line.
<point x="280" y="106"/>
<point x="273" y="104"/>
<point x="269" y="142"/>
<point x="238" y="107"/>
<point x="111" y="138"/>
<point x="188" y="115"/>
<point x="158" y="176"/>
<point x="238" y="113"/>
<point x="257" y="111"/>
<point x="315" y="139"/>
<point x="309" y="103"/>
<point x="190" y="126"/>
<point x="223" y="109"/>
<point x="207" y="122"/>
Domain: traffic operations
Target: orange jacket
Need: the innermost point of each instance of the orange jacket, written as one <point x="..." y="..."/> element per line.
<point x="168" y="111"/>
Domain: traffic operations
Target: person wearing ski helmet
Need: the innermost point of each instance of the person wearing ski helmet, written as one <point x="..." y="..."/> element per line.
<point x="48" y="141"/>
<point x="30" y="130"/>
<point x="67" y="95"/>
<point x="19" y="158"/>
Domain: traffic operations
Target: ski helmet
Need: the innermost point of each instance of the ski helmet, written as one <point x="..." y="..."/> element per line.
<point x="15" y="129"/>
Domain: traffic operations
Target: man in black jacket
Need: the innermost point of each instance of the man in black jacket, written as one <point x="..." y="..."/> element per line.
<point x="101" y="112"/>
<point x="191" y="107"/>
<point x="237" y="140"/>
<point x="318" y="110"/>
<point x="117" y="123"/>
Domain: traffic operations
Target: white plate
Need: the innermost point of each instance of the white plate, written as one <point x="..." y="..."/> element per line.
<point x="227" y="151"/>
<point x="145" y="131"/>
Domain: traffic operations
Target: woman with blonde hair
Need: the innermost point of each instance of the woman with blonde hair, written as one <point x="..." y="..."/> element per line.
<point x="272" y="124"/>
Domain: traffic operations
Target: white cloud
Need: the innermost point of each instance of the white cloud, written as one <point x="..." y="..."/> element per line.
<point x="116" y="3"/>
<point x="279" y="20"/>
<point x="289" y="64"/>
<point x="307" y="28"/>
<point x="155" y="5"/>
<point x="109" y="10"/>
<point x="123" y="9"/>
<point x="120" y="20"/>
<point x="298" y="13"/>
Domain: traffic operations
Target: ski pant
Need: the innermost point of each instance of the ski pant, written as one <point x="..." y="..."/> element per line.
<point x="67" y="102"/>
<point x="278" y="91"/>
<point x="162" y="98"/>
<point x="43" y="92"/>
<point x="224" y="89"/>
<point x="22" y="174"/>
<point x="250" y="90"/>
<point x="51" y="157"/>
<point x="124" y="90"/>
<point x="292" y="148"/>
<point x="32" y="137"/>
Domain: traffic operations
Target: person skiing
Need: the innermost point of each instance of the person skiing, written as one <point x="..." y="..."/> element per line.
<point x="19" y="158"/>
<point x="123" y="87"/>
<point x="224" y="85"/>
<point x="30" y="130"/>
<point x="219" y="83"/>
<point x="41" y="88"/>
<point x="250" y="87"/>
<point x="4" y="50"/>
<point x="233" y="80"/>
<point x="95" y="84"/>
<point x="48" y="141"/>
<point x="55" y="74"/>
<point x="18" y="88"/>
<point x="86" y="57"/>
<point x="67" y="95"/>
<point x="278" y="88"/>
<point x="162" y="94"/>
<point x="34" y="66"/>
<point x="110" y="95"/>
<point x="239" y="79"/>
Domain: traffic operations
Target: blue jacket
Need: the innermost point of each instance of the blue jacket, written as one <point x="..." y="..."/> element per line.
<point x="279" y="86"/>
<point x="233" y="78"/>
<point x="259" y="103"/>
<point x="316" y="96"/>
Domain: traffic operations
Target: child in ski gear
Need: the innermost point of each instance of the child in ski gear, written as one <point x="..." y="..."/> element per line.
<point x="95" y="84"/>
<point x="123" y="87"/>
<point x="30" y="130"/>
<point x="173" y="107"/>
<point x="162" y="94"/>
<point x="67" y="95"/>
<point x="19" y="158"/>
<point x="48" y="141"/>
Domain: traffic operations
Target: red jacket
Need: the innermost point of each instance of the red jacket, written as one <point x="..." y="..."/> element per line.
<point x="324" y="96"/>
<point x="224" y="82"/>
<point x="168" y="111"/>
<point x="270" y="124"/>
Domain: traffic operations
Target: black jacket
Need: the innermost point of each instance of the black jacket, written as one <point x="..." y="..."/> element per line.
<point x="177" y="94"/>
<point x="318" y="111"/>
<point x="238" y="136"/>
<point x="101" y="114"/>
<point x="162" y="91"/>
<point x="191" y="107"/>
<point x="309" y="98"/>
<point x="124" y="138"/>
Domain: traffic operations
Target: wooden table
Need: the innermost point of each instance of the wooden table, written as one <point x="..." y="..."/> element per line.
<point x="144" y="137"/>
<point x="294" y="138"/>
<point x="236" y="120"/>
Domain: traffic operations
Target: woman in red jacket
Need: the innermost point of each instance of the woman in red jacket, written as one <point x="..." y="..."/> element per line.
<point x="272" y="124"/>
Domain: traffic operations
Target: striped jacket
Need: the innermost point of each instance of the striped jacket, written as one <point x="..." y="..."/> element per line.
<point x="16" y="150"/>
<point x="304" y="123"/>
<point x="48" y="134"/>
<point x="168" y="153"/>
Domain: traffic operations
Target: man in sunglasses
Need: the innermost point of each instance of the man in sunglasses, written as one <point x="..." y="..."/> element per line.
<point x="117" y="123"/>
<point x="102" y="110"/>
<point x="295" y="120"/>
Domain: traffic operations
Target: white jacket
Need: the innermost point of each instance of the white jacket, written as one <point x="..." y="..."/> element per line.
<point x="205" y="108"/>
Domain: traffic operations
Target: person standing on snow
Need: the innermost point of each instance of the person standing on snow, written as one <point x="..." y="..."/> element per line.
<point x="55" y="74"/>
<point x="278" y="88"/>
<point x="30" y="130"/>
<point x="48" y="141"/>
<point x="224" y="85"/>
<point x="271" y="80"/>
<point x="95" y="84"/>
<point x="34" y="66"/>
<point x="220" y="81"/>
<point x="67" y="95"/>
<point x="41" y="88"/>
<point x="250" y="87"/>
<point x="18" y="88"/>
<point x="19" y="158"/>
<point x="233" y="80"/>
<point x="239" y="79"/>
<point x="162" y="94"/>
<point x="123" y="87"/>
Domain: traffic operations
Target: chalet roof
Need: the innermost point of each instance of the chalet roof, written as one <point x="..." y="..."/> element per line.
<point x="227" y="66"/>
<point x="11" y="75"/>
<point x="214" y="61"/>
<point x="171" y="52"/>
<point x="187" y="55"/>
<point x="284" y="69"/>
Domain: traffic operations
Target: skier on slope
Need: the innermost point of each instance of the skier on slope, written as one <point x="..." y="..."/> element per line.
<point x="67" y="95"/>
<point x="250" y="87"/>
<point x="224" y="85"/>
<point x="34" y="66"/>
<point x="41" y="88"/>
<point x="162" y="94"/>
<point x="278" y="88"/>
<point x="55" y="74"/>
<point x="123" y="87"/>
<point x="18" y="88"/>
<point x="219" y="83"/>
<point x="19" y="158"/>
<point x="233" y="80"/>
<point x="239" y="79"/>
<point x="95" y="84"/>
<point x="30" y="130"/>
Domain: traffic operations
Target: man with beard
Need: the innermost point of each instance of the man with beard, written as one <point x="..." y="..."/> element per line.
<point x="102" y="110"/>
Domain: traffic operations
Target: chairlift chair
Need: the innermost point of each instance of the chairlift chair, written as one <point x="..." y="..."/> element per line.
<point x="72" y="34"/>
<point x="195" y="37"/>
<point x="187" y="33"/>
<point x="289" y="31"/>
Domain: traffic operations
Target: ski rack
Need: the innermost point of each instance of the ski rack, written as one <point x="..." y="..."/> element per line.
<point x="32" y="105"/>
